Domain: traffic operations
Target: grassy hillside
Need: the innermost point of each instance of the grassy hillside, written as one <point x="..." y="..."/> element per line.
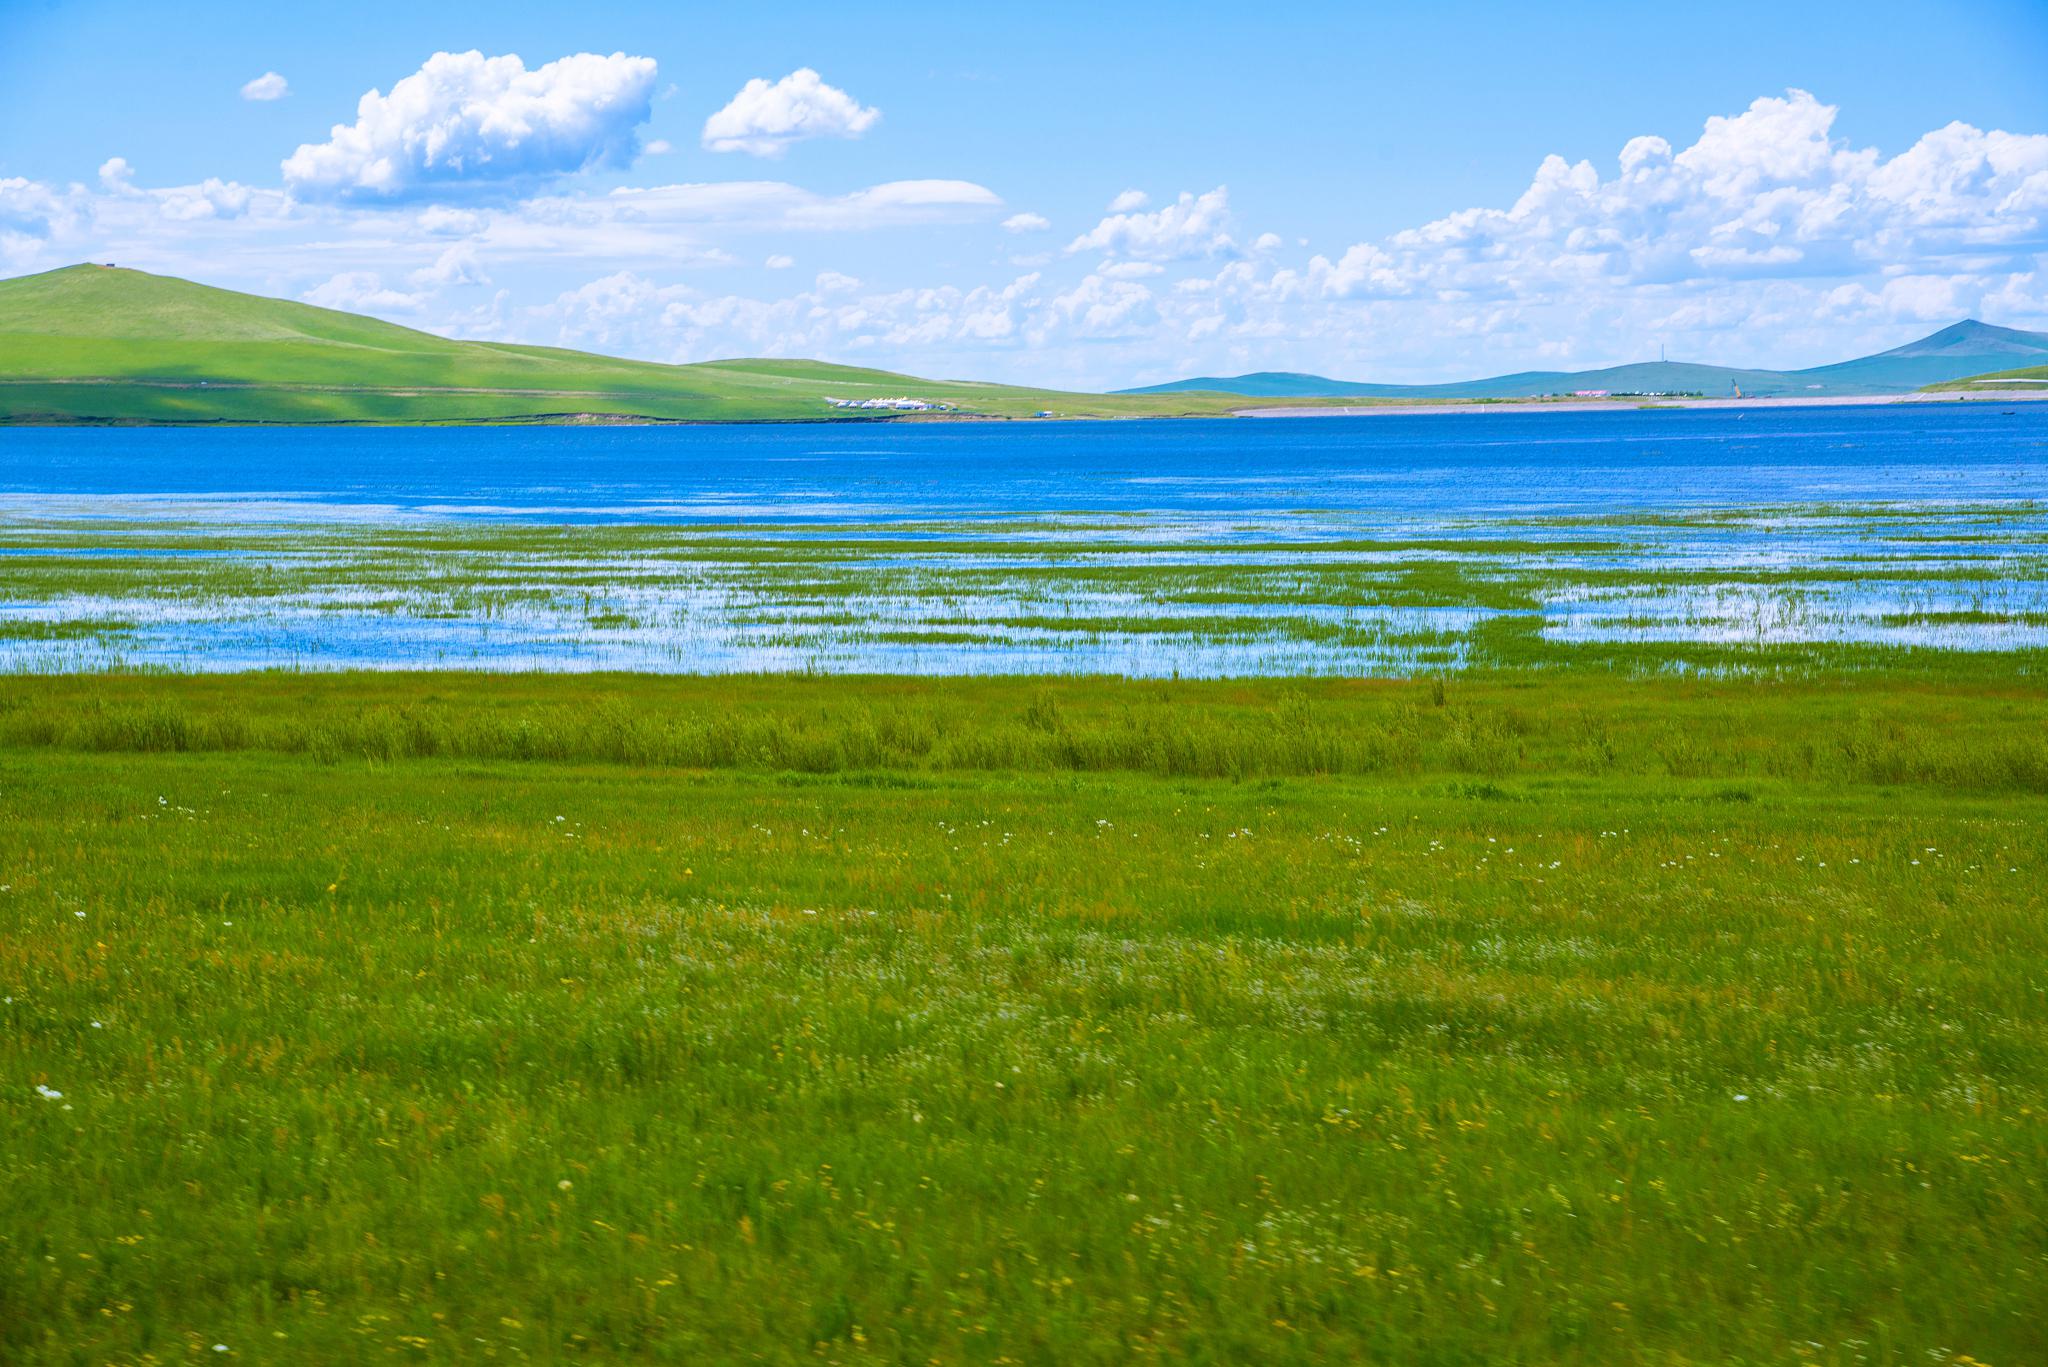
<point x="98" y="344"/>
<point x="2018" y="381"/>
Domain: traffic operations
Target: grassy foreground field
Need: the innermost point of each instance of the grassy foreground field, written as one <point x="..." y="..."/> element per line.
<point x="453" y="1018"/>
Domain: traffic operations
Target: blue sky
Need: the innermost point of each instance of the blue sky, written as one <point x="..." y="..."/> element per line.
<point x="1368" y="191"/>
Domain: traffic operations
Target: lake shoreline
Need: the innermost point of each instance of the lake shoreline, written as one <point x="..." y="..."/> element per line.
<point x="1392" y="409"/>
<point x="1630" y="406"/>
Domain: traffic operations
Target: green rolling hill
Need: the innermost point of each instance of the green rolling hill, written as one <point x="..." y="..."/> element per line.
<point x="2026" y="380"/>
<point x="96" y="344"/>
<point x="1964" y="349"/>
<point x="99" y="344"/>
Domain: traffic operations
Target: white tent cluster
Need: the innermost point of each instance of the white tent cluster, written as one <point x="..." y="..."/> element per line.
<point x="898" y="405"/>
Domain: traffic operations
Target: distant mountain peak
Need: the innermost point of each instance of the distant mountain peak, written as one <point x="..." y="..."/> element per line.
<point x="1970" y="347"/>
<point x="1974" y="337"/>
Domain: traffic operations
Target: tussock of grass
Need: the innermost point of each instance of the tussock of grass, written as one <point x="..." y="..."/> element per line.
<point x="63" y="629"/>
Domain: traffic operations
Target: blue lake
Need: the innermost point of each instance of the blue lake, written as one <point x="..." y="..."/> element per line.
<point x="1357" y="545"/>
<point x="1405" y="467"/>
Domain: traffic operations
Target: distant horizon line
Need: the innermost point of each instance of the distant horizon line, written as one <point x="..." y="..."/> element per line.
<point x="1184" y="383"/>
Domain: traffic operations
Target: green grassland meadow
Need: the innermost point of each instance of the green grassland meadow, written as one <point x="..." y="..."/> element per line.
<point x="1508" y="1017"/>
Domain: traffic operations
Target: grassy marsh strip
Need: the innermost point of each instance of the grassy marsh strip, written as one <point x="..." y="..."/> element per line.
<point x="1762" y="591"/>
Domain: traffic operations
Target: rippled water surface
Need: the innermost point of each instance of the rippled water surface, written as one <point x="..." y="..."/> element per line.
<point x="1383" y="545"/>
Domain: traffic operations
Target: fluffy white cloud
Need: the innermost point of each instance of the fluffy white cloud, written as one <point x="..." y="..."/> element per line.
<point x="268" y="86"/>
<point x="766" y="117"/>
<point x="629" y="313"/>
<point x="442" y="221"/>
<point x="465" y="121"/>
<point x="1026" y="223"/>
<point x="1364" y="270"/>
<point x="270" y="241"/>
<point x="364" y="291"/>
<point x="45" y="225"/>
<point x="1192" y="226"/>
<point x="459" y="265"/>
<point x="836" y="317"/>
<point x="30" y="213"/>
<point x="1102" y="306"/>
<point x="1765" y="194"/>
<point x="28" y="206"/>
<point x="361" y="292"/>
<point x="211" y="198"/>
<point x="1128" y="201"/>
<point x="613" y="308"/>
<point x="1765" y="240"/>
<point x="1916" y="298"/>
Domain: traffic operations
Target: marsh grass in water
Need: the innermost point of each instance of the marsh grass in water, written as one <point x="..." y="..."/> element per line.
<point x="1760" y="591"/>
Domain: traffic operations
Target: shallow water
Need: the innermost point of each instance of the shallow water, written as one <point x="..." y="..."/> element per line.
<point x="1383" y="545"/>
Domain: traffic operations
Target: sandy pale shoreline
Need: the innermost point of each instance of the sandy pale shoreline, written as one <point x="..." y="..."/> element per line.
<point x="1626" y="405"/>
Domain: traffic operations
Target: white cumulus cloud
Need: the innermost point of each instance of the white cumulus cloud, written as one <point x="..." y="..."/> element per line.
<point x="30" y="213"/>
<point x="1765" y="238"/>
<point x="442" y="221"/>
<point x="1770" y="193"/>
<point x="766" y="117"/>
<point x="361" y="292"/>
<point x="1192" y="226"/>
<point x="1128" y="201"/>
<point x="268" y="86"/>
<point x="211" y="198"/>
<point x="836" y="316"/>
<point x="1104" y="307"/>
<point x="465" y="121"/>
<point x="458" y="265"/>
